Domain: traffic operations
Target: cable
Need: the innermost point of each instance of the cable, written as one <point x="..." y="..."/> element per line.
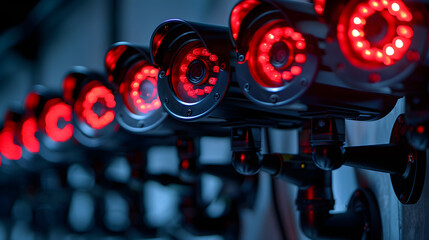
<point x="274" y="191"/>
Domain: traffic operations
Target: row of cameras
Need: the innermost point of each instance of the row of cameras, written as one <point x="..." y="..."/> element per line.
<point x="279" y="64"/>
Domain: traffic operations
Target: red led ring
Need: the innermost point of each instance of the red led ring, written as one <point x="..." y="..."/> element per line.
<point x="56" y="110"/>
<point x="141" y="73"/>
<point x="8" y="147"/>
<point x="187" y="89"/>
<point x="94" y="93"/>
<point x="380" y="52"/>
<point x="261" y="56"/>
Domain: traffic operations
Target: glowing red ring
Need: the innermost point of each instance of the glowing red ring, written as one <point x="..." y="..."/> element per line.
<point x="95" y="92"/>
<point x="264" y="73"/>
<point x="8" y="147"/>
<point x="399" y="38"/>
<point x="146" y="73"/>
<point x="183" y="88"/>
<point x="56" y="110"/>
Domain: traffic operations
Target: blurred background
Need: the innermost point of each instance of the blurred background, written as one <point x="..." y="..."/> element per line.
<point x="41" y="40"/>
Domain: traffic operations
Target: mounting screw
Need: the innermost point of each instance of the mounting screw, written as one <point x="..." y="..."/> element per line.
<point x="140" y="124"/>
<point x="304" y="82"/>
<point x="246" y="87"/>
<point x="241" y="58"/>
<point x="366" y="227"/>
<point x="216" y="96"/>
<point x="321" y="123"/>
<point x="189" y="112"/>
<point x="411" y="158"/>
<point x="161" y="74"/>
<point x="274" y="98"/>
<point x="403" y="197"/>
<point x="166" y="100"/>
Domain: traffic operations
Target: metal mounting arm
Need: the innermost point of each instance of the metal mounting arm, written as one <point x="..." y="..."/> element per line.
<point x="405" y="164"/>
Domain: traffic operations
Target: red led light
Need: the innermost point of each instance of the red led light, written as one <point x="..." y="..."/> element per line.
<point x="296" y="70"/>
<point x="31" y="101"/>
<point x="113" y="55"/>
<point x="195" y="73"/>
<point x="357" y="33"/>
<point x="8" y="147"/>
<point x="319" y="6"/>
<point x="365" y="11"/>
<point x="276" y="55"/>
<point x="140" y="92"/>
<point x="95" y="105"/>
<point x="420" y="129"/>
<point x="212" y="81"/>
<point x="300" y="45"/>
<point x="213" y="58"/>
<point x="374" y="77"/>
<point x="389" y="50"/>
<point x="205" y="52"/>
<point x="56" y="111"/>
<point x="372" y="46"/>
<point x="69" y="85"/>
<point x="404" y="31"/>
<point x="368" y="54"/>
<point x="399" y="43"/>
<point x="242" y="157"/>
<point x="357" y="20"/>
<point x="287" y="76"/>
<point x="405" y="16"/>
<point x="395" y="7"/>
<point x="295" y="36"/>
<point x="28" y="131"/>
<point x="207" y="89"/>
<point x="238" y="13"/>
<point x="185" y="164"/>
<point x="376" y="5"/>
<point x="379" y="55"/>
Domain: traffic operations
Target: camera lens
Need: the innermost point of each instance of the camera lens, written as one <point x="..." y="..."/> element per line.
<point x="146" y="90"/>
<point x="376" y="28"/>
<point x="279" y="55"/>
<point x="196" y="72"/>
